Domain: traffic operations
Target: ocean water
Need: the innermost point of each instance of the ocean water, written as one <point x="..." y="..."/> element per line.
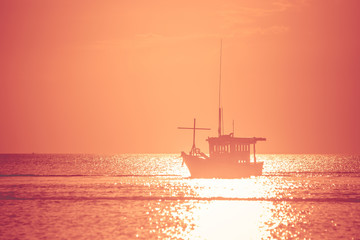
<point x="58" y="196"/>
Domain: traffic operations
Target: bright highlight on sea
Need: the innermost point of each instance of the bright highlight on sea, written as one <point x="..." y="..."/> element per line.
<point x="152" y="197"/>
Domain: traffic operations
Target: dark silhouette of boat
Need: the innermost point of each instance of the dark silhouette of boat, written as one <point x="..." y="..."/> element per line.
<point x="229" y="156"/>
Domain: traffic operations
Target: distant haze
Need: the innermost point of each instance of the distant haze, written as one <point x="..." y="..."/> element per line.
<point x="121" y="76"/>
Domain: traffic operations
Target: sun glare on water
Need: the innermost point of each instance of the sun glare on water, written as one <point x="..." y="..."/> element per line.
<point x="226" y="209"/>
<point x="230" y="220"/>
<point x="215" y="209"/>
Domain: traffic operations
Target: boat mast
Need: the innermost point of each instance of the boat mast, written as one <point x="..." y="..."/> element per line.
<point x="220" y="109"/>
<point x="233" y="132"/>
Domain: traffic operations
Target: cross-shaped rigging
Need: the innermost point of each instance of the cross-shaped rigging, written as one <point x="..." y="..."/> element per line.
<point x="193" y="148"/>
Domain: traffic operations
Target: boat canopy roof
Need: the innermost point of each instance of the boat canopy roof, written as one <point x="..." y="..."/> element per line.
<point x="227" y="139"/>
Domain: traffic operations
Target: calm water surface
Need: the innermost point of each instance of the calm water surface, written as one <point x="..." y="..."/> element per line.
<point x="152" y="197"/>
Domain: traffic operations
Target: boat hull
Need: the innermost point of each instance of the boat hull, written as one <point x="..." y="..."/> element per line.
<point x="215" y="168"/>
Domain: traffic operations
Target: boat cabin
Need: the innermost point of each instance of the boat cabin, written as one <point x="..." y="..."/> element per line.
<point x="232" y="148"/>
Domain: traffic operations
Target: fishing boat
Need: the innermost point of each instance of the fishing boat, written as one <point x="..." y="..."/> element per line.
<point x="229" y="156"/>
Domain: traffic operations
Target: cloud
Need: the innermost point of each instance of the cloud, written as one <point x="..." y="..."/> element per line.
<point x="249" y="14"/>
<point x="234" y="20"/>
<point x="263" y="30"/>
<point x="240" y="20"/>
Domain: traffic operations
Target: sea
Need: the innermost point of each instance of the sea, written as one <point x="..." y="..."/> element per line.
<point x="152" y="196"/>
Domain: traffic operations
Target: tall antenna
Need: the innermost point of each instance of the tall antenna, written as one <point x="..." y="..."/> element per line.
<point x="220" y="110"/>
<point x="222" y="121"/>
<point x="220" y="75"/>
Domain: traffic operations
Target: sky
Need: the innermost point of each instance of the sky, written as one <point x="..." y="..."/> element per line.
<point x="121" y="76"/>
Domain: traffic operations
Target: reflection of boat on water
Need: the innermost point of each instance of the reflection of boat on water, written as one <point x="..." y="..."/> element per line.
<point x="229" y="156"/>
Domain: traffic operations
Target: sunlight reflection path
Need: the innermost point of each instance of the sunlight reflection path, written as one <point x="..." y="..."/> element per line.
<point x="230" y="220"/>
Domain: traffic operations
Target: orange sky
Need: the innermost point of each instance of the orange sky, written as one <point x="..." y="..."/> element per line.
<point x="121" y="76"/>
